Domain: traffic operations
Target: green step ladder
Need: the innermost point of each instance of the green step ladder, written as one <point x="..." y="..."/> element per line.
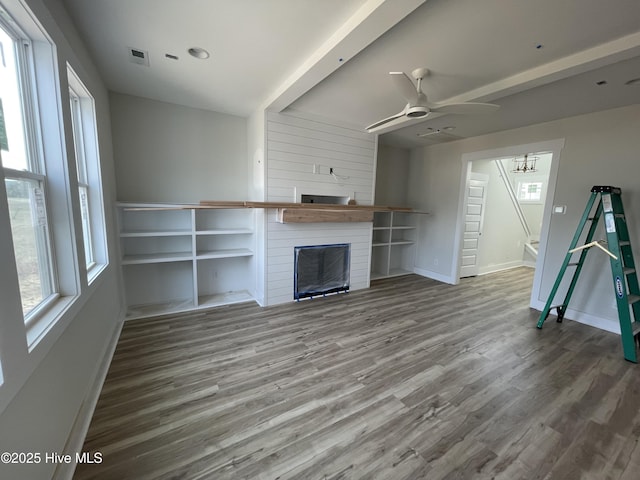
<point x="623" y="270"/>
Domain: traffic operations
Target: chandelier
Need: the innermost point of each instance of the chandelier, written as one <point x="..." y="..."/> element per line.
<point x="525" y="164"/>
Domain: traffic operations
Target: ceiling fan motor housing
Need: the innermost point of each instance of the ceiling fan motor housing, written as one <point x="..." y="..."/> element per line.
<point x="417" y="111"/>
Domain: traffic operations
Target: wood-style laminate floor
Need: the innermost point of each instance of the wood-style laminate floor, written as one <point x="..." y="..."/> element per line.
<point x="411" y="379"/>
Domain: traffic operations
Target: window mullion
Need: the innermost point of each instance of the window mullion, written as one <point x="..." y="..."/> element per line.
<point x="11" y="173"/>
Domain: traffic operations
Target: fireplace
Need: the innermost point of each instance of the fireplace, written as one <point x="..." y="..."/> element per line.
<point x="320" y="270"/>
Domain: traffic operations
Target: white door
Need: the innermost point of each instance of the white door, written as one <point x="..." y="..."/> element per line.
<point x="475" y="197"/>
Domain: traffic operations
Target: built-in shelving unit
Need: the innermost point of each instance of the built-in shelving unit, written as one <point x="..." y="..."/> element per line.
<point x="176" y="258"/>
<point x="393" y="245"/>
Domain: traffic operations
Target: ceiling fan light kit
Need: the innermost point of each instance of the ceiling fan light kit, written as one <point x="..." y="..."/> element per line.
<point x="417" y="112"/>
<point x="418" y="106"/>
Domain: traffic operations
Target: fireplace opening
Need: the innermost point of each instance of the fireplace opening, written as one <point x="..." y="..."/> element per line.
<point x="321" y="270"/>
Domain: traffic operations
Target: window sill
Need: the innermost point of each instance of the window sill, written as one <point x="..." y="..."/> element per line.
<point x="39" y="328"/>
<point x="94" y="271"/>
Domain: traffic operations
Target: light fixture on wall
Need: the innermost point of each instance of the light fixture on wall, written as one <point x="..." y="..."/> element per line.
<point x="525" y="164"/>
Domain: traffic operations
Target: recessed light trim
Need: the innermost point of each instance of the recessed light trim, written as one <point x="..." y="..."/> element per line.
<point x="170" y="56"/>
<point x="198" y="52"/>
<point x="633" y="81"/>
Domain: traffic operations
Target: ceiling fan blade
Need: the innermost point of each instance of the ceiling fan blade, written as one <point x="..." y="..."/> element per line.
<point x="467" y="108"/>
<point x="406" y="87"/>
<point x="386" y="120"/>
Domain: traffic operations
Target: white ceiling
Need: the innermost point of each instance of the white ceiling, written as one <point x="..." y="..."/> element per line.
<point x="254" y="45"/>
<point x="286" y="53"/>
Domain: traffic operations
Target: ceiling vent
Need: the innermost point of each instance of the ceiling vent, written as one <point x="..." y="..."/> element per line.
<point x="141" y="57"/>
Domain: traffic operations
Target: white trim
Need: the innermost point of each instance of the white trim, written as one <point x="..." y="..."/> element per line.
<point x="435" y="276"/>
<point x="555" y="147"/>
<point x="78" y="433"/>
<point x="500" y="267"/>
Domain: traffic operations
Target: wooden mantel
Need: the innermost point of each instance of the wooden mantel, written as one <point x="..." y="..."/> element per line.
<point x="316" y="212"/>
<point x="293" y="212"/>
<point x="316" y="215"/>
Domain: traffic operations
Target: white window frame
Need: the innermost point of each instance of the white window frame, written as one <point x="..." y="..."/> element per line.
<point x="36" y="169"/>
<point x="23" y="347"/>
<point x="43" y="113"/>
<point x="85" y="140"/>
<point x="525" y="179"/>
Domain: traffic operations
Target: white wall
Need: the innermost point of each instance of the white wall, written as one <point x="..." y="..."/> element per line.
<point x="600" y="148"/>
<point x="296" y="143"/>
<point x="503" y="237"/>
<point x="392" y="176"/>
<point x="170" y="153"/>
<point x="47" y="391"/>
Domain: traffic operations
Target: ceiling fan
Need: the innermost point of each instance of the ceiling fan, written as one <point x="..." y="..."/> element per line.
<point x="418" y="106"/>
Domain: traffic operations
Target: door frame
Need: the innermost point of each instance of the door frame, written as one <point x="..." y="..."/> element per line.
<point x="555" y="147"/>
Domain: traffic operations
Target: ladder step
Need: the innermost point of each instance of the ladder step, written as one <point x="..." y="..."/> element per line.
<point x="629" y="271"/>
<point x="619" y="215"/>
<point x="624" y="243"/>
<point x="633" y="299"/>
<point x="574" y="264"/>
<point x="636" y="328"/>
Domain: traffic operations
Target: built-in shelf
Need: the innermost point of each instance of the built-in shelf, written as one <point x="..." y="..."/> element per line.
<point x="228" y="231"/>
<point x="155" y="233"/>
<point x="394" y="238"/>
<point x="225" y="298"/>
<point x="156" y="258"/>
<point x="197" y="255"/>
<point x="229" y="253"/>
<point x="156" y="309"/>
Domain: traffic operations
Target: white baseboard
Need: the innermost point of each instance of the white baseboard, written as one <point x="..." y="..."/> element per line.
<point x="434" y="275"/>
<point x="78" y="433"/>
<point x="500" y="267"/>
<point x="607" y="324"/>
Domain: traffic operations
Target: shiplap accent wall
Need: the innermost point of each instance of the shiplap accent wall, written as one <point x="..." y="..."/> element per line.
<point x="295" y="143"/>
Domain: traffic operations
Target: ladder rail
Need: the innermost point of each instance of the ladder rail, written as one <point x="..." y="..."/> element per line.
<point x="624" y="285"/>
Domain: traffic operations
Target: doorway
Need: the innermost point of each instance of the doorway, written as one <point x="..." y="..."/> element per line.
<point x="520" y="187"/>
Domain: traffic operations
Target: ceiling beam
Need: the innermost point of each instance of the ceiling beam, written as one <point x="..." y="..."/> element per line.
<point x="371" y="20"/>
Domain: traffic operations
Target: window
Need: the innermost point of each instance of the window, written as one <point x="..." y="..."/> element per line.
<point x="530" y="192"/>
<point x="85" y="140"/>
<point x="24" y="175"/>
